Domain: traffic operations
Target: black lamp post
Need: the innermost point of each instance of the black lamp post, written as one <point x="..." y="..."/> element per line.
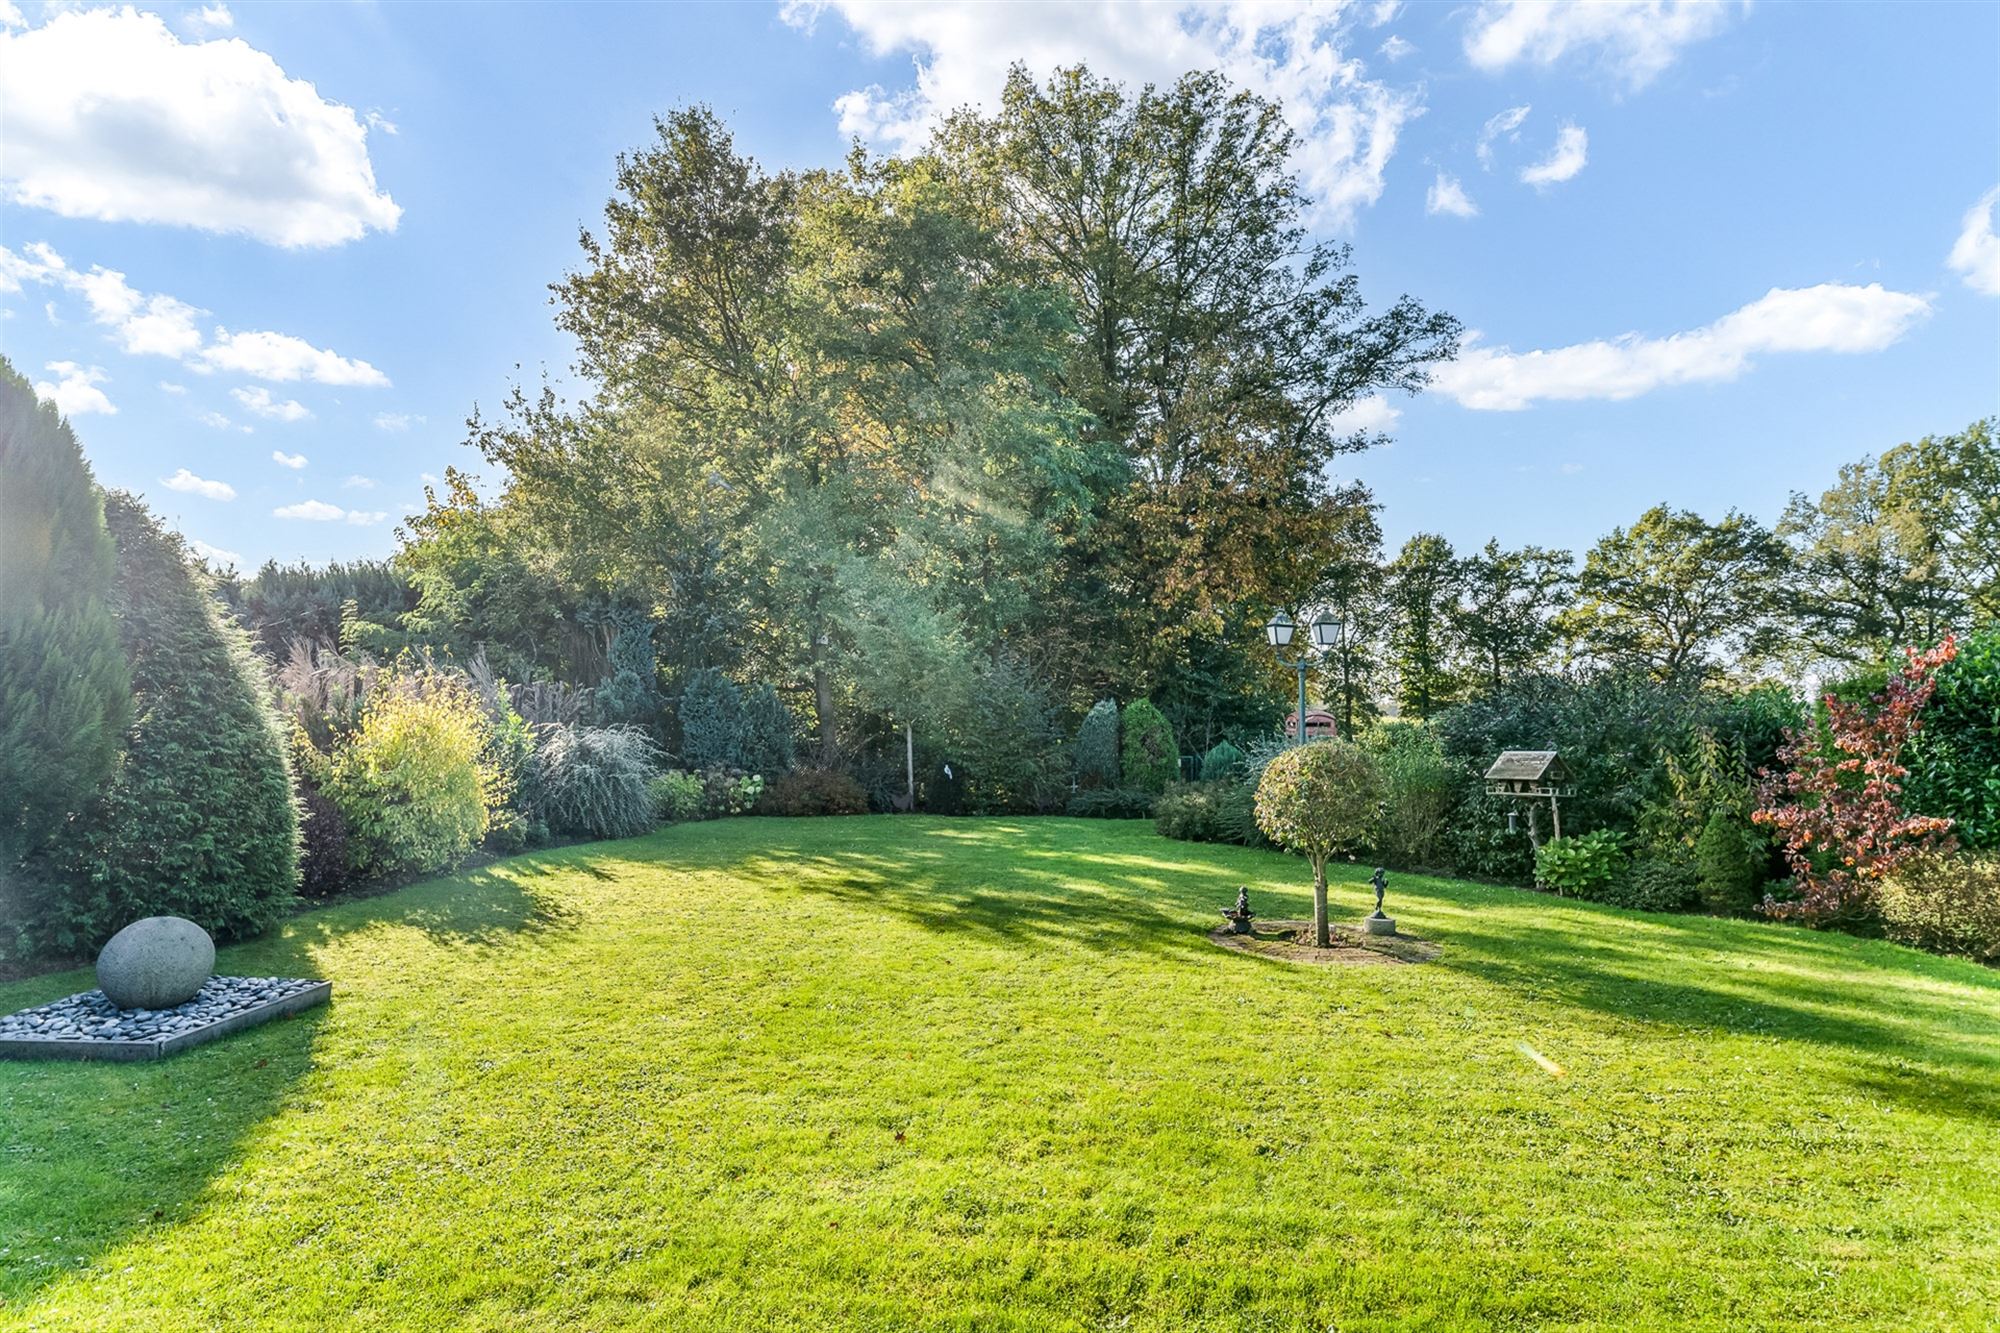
<point x="1323" y="633"/>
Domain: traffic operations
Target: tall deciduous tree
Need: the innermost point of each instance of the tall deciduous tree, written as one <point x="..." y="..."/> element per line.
<point x="1423" y="591"/>
<point x="1505" y="618"/>
<point x="1215" y="343"/>
<point x="1677" y="596"/>
<point x="65" y="691"/>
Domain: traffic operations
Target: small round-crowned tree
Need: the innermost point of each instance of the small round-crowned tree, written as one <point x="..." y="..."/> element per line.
<point x="1320" y="800"/>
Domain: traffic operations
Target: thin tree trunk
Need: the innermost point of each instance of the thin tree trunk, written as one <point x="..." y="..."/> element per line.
<point x="1321" y="936"/>
<point x="829" y="740"/>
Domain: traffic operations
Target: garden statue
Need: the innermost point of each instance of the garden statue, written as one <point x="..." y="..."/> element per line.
<point x="1239" y="915"/>
<point x="1379" y="924"/>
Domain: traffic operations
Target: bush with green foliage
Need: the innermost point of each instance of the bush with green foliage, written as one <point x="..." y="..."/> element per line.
<point x="1148" y="755"/>
<point x="1320" y="800"/>
<point x="1732" y="860"/>
<point x="1111" y="803"/>
<point x="769" y="746"/>
<point x="1621" y="736"/>
<point x="677" y="797"/>
<point x="1422" y="786"/>
<point x="1097" y="765"/>
<point x="1954" y="758"/>
<point x="199" y="820"/>
<point x="713" y="725"/>
<point x="1657" y="884"/>
<point x="324" y="865"/>
<point x="1218" y="811"/>
<point x="413" y="782"/>
<point x="1949" y="903"/>
<point x="1584" y="866"/>
<point x="629" y="694"/>
<point x="1223" y="762"/>
<point x="65" y="689"/>
<point x="813" y="791"/>
<point x="596" y="782"/>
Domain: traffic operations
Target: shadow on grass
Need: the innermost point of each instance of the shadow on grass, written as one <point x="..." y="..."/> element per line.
<point x="92" y="1154"/>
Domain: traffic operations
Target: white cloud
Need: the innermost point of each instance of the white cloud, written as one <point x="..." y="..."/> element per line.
<point x="358" y="519"/>
<point x="1832" y="317"/>
<point x="1508" y="122"/>
<point x="312" y="511"/>
<point x="283" y="358"/>
<point x="260" y="401"/>
<point x="215" y="419"/>
<point x="211" y="18"/>
<point x="1371" y="415"/>
<point x="153" y="324"/>
<point x="292" y="461"/>
<point x="112" y="117"/>
<point x="1635" y="40"/>
<point x="378" y="121"/>
<point x="1448" y="196"/>
<point x="74" y="390"/>
<point x="358" y="482"/>
<point x="1568" y="157"/>
<point x="1347" y="123"/>
<point x="10" y="15"/>
<point x="168" y="386"/>
<point x="215" y="555"/>
<point x="1396" y="48"/>
<point x="396" y="421"/>
<point x="1975" y="256"/>
<point x="184" y="480"/>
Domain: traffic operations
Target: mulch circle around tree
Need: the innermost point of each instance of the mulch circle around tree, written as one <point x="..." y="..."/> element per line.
<point x="1291" y="942"/>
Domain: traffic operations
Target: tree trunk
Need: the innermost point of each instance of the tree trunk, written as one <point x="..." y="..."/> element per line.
<point x="1321" y="937"/>
<point x="829" y="739"/>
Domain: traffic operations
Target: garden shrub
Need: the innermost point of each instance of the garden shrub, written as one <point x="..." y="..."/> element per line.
<point x="1731" y="858"/>
<point x="1657" y="884"/>
<point x="1222" y="763"/>
<point x="1203" y="811"/>
<point x="1148" y="756"/>
<point x="813" y="791"/>
<point x="65" y="689"/>
<point x="1009" y="747"/>
<point x="1947" y="903"/>
<point x="1111" y="803"/>
<point x="677" y="797"/>
<point x="413" y="783"/>
<point x="199" y="819"/>
<point x="768" y="744"/>
<point x="596" y="782"/>
<point x="1097" y="763"/>
<point x="323" y="856"/>
<point x="1954" y="758"/>
<point x="1320" y="799"/>
<point x="713" y="725"/>
<point x="630" y="692"/>
<point x="1837" y="803"/>
<point x="1583" y="866"/>
<point x="1421" y="787"/>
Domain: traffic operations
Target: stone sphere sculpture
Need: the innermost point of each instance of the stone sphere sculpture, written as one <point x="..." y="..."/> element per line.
<point x="155" y="963"/>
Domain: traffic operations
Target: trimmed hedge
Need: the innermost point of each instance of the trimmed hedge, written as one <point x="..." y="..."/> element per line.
<point x="813" y="791"/>
<point x="199" y="820"/>
<point x="1097" y="747"/>
<point x="1111" y="803"/>
<point x="65" y="690"/>
<point x="1149" y="755"/>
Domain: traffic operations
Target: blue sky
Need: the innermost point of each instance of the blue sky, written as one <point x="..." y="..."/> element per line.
<point x="269" y="257"/>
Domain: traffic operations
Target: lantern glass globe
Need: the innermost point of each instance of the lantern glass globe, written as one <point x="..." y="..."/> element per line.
<point x="1326" y="630"/>
<point x="1279" y="630"/>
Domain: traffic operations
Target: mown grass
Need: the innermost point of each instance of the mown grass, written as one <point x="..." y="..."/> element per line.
<point x="988" y="1074"/>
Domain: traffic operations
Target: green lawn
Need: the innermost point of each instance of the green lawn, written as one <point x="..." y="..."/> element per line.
<point x="988" y="1074"/>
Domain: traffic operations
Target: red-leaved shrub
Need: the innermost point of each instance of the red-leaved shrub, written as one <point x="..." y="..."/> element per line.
<point x="1837" y="805"/>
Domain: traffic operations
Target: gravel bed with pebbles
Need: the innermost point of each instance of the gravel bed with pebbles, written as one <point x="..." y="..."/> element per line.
<point x="89" y="1016"/>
